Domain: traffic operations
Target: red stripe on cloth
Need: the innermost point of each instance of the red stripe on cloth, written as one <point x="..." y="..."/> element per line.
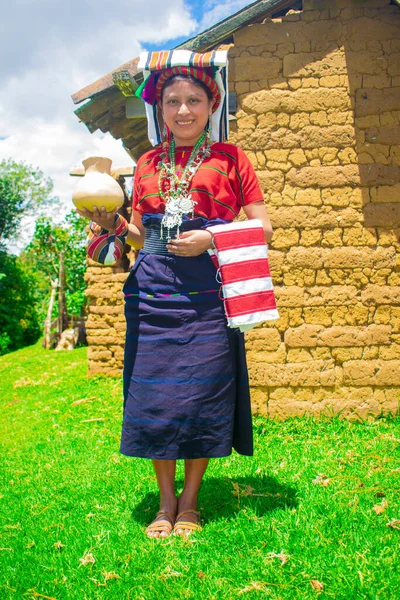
<point x="95" y="243"/>
<point x="229" y="240"/>
<point x="121" y="225"/>
<point x="214" y="260"/>
<point x="247" y="269"/>
<point x="249" y="303"/>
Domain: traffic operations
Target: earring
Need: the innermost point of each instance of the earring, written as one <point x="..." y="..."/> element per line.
<point x="208" y="130"/>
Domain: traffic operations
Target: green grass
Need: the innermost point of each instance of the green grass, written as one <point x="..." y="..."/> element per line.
<point x="269" y="531"/>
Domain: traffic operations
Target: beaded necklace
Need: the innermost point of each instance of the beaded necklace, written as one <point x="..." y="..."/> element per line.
<point x="174" y="190"/>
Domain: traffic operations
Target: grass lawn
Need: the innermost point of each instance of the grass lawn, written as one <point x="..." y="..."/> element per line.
<point x="315" y="513"/>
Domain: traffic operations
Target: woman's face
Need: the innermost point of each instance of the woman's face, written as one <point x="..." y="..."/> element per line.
<point x="186" y="109"/>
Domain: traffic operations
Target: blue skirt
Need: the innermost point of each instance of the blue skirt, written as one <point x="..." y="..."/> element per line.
<point x="186" y="389"/>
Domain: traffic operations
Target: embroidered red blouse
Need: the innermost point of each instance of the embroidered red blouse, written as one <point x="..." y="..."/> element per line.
<point x="224" y="182"/>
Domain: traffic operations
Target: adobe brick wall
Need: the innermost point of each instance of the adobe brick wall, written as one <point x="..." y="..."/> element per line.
<point x="319" y="117"/>
<point x="105" y="326"/>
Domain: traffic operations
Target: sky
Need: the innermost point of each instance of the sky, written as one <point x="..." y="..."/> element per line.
<point x="51" y="49"/>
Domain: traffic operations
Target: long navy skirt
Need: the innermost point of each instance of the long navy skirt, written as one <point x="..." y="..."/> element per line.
<point x="186" y="390"/>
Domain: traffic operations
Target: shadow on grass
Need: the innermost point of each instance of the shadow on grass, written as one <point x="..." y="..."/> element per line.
<point x="221" y="497"/>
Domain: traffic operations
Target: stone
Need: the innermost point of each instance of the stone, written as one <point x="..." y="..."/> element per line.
<point x="312" y="64"/>
<point x="372" y="29"/>
<point x="359" y="236"/>
<point x="304" y="257"/>
<point x="301" y="216"/>
<point x="376" y="102"/>
<point x="247" y="122"/>
<point x="324" y="176"/>
<point x="274" y="33"/>
<point x="310" y="82"/>
<point x="309" y="336"/>
<point x="259" y="400"/>
<point x="348" y="257"/>
<point x="365" y="63"/>
<point x="302" y="100"/>
<point x="332" y="238"/>
<point x="387" y="136"/>
<point x="305" y="336"/>
<point x="267" y="357"/>
<point x="382" y="215"/>
<point x="337" y="295"/>
<point x="299" y="120"/>
<point x="355" y="336"/>
<point x="317" y="315"/>
<point x="378" y="82"/>
<point x="249" y="68"/>
<point x="271" y="180"/>
<point x="372" y="372"/>
<point x="342" y="355"/>
<point x="311" y="237"/>
<point x="263" y="339"/>
<point x="379" y="294"/>
<point x="285" y="238"/>
<point x="299" y="355"/>
<point x="309" y="374"/>
<point x="290" y="296"/>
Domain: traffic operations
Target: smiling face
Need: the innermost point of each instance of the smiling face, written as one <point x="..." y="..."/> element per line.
<point x="185" y="108"/>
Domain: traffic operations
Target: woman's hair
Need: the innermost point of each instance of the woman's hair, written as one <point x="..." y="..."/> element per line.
<point x="181" y="77"/>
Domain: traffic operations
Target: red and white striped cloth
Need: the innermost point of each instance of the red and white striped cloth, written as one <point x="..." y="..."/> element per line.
<point x="241" y="257"/>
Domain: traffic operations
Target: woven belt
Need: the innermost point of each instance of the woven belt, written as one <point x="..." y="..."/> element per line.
<point x="153" y="244"/>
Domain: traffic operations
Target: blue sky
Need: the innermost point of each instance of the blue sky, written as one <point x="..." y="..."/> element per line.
<point x="55" y="48"/>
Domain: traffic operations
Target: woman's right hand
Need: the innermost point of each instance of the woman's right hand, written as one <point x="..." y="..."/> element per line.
<point x="100" y="216"/>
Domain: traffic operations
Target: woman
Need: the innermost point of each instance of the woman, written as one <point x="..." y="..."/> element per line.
<point x="186" y="393"/>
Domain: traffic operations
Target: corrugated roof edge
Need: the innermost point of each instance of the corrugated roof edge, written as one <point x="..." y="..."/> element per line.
<point x="104" y="82"/>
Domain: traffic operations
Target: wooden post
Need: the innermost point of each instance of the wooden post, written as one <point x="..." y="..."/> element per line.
<point x="47" y="323"/>
<point x="62" y="310"/>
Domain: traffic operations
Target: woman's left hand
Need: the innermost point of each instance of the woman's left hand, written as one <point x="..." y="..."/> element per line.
<point x="191" y="243"/>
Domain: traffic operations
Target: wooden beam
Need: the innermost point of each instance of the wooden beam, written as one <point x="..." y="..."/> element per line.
<point x="134" y="108"/>
<point x="126" y="83"/>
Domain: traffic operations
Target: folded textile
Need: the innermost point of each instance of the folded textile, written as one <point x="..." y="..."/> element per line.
<point x="241" y="257"/>
<point x="105" y="247"/>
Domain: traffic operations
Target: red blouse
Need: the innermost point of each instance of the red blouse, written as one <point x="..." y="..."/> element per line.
<point x="224" y="182"/>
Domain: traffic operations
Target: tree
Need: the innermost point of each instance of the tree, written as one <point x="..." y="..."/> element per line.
<point x="19" y="325"/>
<point x="23" y="190"/>
<point x="42" y="259"/>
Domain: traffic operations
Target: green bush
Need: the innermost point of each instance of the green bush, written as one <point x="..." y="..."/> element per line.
<point x="19" y="325"/>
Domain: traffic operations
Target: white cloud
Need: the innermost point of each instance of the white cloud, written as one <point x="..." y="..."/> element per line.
<point x="54" y="48"/>
<point x="215" y="11"/>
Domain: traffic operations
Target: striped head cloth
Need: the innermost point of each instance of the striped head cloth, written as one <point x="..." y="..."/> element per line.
<point x="211" y="68"/>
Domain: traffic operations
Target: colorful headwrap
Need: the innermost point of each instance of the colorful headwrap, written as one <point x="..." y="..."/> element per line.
<point x="211" y="68"/>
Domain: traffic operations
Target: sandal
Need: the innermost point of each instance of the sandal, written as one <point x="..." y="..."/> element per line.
<point x="190" y="526"/>
<point x="161" y="525"/>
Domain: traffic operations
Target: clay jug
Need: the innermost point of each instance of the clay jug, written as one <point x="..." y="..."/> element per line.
<point x="97" y="187"/>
